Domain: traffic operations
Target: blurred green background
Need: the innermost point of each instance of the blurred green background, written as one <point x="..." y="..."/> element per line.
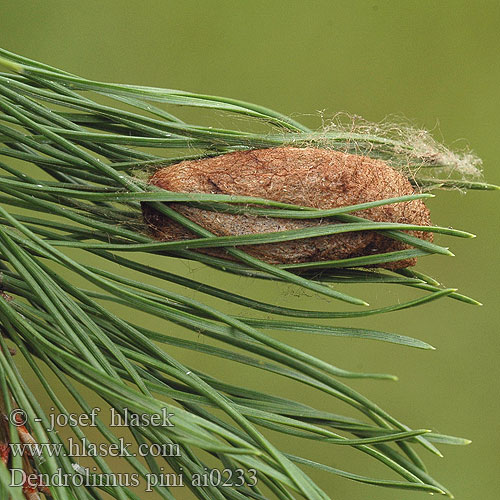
<point x="436" y="64"/>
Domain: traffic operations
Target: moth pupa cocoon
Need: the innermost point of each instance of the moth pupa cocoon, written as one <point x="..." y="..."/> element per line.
<point x="311" y="177"/>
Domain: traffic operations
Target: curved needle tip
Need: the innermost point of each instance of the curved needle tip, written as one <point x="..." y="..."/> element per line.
<point x="356" y="301"/>
<point x="381" y="376"/>
<point x="472" y="301"/>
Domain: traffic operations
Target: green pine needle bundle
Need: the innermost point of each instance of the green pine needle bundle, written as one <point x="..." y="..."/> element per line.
<point x="75" y="158"/>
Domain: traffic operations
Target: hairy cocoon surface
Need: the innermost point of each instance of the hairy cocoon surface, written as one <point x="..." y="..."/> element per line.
<point x="312" y="177"/>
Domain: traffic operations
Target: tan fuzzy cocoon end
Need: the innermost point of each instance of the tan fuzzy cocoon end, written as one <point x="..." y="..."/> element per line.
<point x="311" y="177"/>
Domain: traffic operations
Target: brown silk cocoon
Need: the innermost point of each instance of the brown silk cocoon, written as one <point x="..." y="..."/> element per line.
<point x="311" y="177"/>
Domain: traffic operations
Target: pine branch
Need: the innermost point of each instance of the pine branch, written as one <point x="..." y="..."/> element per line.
<point x="75" y="174"/>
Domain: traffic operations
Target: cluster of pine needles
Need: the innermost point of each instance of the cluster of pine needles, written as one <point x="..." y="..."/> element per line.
<point x="70" y="193"/>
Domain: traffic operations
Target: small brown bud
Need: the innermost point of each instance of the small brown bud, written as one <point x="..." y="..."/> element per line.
<point x="311" y="177"/>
